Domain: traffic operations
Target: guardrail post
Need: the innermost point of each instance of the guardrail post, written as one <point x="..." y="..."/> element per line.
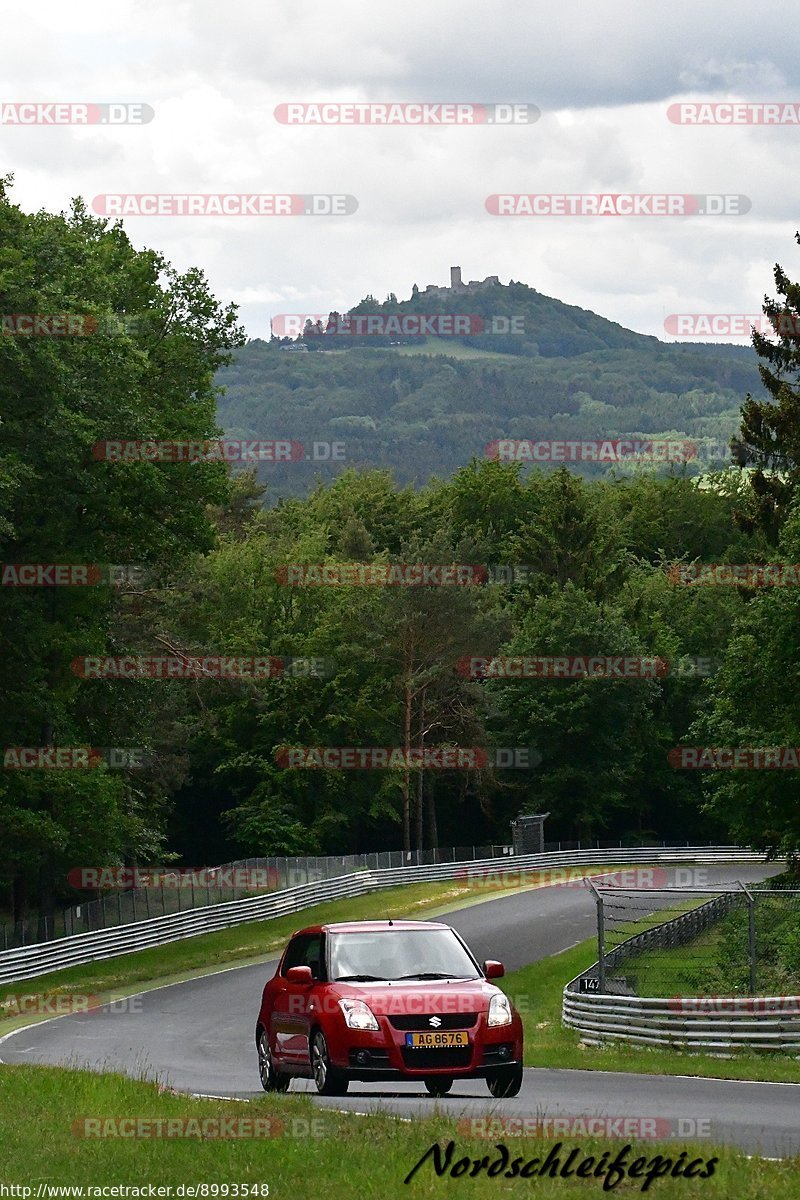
<point x="751" y="935"/>
<point x="601" y="937"/>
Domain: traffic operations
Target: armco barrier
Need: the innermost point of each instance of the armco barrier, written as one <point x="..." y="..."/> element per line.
<point x="719" y="1025"/>
<point x="29" y="961"/>
<point x="714" y="1024"/>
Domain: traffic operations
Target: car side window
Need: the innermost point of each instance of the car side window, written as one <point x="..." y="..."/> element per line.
<point x="304" y="951"/>
<point x="313" y="956"/>
<point x="296" y="953"/>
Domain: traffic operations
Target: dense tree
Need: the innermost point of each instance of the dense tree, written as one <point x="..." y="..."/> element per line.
<point x="769" y="437"/>
<point x="152" y="342"/>
<point x="754" y="703"/>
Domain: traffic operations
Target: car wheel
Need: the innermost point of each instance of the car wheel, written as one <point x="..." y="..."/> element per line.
<point x="505" y="1083"/>
<point x="438" y="1085"/>
<point x="329" y="1081"/>
<point x="271" y="1080"/>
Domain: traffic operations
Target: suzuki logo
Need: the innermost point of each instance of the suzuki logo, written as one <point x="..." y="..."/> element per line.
<point x="435" y="1021"/>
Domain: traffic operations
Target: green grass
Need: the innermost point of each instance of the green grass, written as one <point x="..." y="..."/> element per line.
<point x="318" y="1153"/>
<point x="537" y="989"/>
<point x="675" y="972"/>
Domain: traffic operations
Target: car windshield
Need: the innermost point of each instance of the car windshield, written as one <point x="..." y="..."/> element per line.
<point x="393" y="954"/>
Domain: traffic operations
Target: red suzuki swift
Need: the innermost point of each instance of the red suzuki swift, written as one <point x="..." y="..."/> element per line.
<point x="386" y="1000"/>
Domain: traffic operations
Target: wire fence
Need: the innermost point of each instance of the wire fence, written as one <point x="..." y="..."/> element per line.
<point x="697" y="941"/>
<point x="174" y="889"/>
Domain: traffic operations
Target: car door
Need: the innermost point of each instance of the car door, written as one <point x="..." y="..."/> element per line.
<point x="291" y="1018"/>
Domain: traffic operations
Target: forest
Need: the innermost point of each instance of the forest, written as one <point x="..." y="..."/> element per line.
<point x="194" y="560"/>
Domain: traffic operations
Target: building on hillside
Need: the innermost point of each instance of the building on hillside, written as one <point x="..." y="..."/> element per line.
<point x="457" y="284"/>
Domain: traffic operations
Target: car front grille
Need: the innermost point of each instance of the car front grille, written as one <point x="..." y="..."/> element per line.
<point x="445" y="1021"/>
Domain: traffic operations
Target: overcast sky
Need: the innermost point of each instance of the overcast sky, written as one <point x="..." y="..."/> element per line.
<point x="602" y="73"/>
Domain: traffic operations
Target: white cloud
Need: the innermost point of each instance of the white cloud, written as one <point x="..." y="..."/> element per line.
<point x="603" y="78"/>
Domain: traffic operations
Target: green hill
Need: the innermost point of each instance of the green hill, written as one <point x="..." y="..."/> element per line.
<point x="425" y="405"/>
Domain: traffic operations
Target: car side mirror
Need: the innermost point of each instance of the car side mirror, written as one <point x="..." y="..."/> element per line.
<point x="299" y="975"/>
<point x="493" y="969"/>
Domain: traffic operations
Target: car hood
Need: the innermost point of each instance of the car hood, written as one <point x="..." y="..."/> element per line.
<point x="408" y="997"/>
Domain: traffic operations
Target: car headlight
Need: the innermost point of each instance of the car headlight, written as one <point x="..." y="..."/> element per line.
<point x="358" y="1015"/>
<point x="499" y="1010"/>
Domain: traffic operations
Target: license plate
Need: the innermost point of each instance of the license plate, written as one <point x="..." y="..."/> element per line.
<point x="437" y="1041"/>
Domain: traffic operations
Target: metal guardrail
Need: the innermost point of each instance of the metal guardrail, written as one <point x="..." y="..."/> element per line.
<point x="195" y="888"/>
<point x="30" y="961"/>
<point x="719" y="1025"/>
<point x="173" y="889"/>
<point x="715" y="1024"/>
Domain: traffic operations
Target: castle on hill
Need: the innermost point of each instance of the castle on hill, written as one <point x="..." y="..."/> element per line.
<point x="457" y="284"/>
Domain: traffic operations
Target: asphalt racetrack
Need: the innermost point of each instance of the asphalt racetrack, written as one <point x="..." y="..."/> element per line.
<point x="198" y="1037"/>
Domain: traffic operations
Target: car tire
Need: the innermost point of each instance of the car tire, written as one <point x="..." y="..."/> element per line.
<point x="271" y="1080"/>
<point x="438" y="1085"/>
<point x="329" y="1081"/>
<point x="505" y="1083"/>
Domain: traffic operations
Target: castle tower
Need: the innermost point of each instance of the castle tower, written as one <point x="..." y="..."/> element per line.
<point x="455" y="278"/>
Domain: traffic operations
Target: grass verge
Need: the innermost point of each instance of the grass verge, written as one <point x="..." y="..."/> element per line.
<point x="305" y="1152"/>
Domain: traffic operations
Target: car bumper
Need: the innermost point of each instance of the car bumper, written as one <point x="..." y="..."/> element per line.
<point x="385" y="1055"/>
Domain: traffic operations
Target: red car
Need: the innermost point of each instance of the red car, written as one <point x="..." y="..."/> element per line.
<point x="386" y="1000"/>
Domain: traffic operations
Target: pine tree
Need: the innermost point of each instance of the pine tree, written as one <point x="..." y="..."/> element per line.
<point x="769" y="437"/>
